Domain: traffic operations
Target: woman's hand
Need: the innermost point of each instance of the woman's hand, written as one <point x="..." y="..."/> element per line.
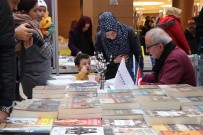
<point x="118" y="58"/>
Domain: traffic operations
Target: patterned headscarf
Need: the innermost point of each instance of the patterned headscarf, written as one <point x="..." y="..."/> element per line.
<point x="108" y="22"/>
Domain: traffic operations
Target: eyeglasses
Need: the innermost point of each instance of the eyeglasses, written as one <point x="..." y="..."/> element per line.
<point x="147" y="47"/>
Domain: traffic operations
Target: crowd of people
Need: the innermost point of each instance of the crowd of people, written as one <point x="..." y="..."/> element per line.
<point x="26" y="48"/>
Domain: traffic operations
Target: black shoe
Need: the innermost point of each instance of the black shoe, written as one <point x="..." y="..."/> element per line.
<point x="19" y="98"/>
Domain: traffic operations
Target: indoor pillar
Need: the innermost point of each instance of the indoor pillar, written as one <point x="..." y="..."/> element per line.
<point x="187" y="10"/>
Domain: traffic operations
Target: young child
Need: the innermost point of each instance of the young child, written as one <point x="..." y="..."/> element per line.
<point x="82" y="63"/>
<point x="46" y="26"/>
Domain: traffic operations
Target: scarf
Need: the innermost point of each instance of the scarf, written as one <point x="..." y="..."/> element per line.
<point x="120" y="45"/>
<point x="159" y="62"/>
<point x="24" y="18"/>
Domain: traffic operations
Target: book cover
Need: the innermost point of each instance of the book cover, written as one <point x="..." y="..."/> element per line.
<point x="74" y="106"/>
<point x="119" y="103"/>
<point x="85" y="94"/>
<point x="128" y="131"/>
<point x="77" y="131"/>
<point x="26" y="125"/>
<point x="122" y="114"/>
<point x="134" y="87"/>
<point x="191" y="132"/>
<point x="47" y="89"/>
<point x="185" y="92"/>
<point x="158" y="103"/>
<point x="154" y="117"/>
<point x="149" y="92"/>
<point x="190" y="100"/>
<point x="84" y="84"/>
<point x="177" y="127"/>
<point x="116" y="95"/>
<point x="36" y="108"/>
<point x="78" y="122"/>
<point x="134" y="123"/>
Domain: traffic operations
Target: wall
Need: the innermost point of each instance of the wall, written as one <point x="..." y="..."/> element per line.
<point x="123" y="12"/>
<point x="68" y="10"/>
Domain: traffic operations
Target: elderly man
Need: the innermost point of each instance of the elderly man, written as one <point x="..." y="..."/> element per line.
<point x="172" y="63"/>
<point x="8" y="37"/>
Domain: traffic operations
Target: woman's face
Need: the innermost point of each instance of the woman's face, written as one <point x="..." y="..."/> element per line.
<point x="86" y="27"/>
<point x="111" y="35"/>
<point x="34" y="12"/>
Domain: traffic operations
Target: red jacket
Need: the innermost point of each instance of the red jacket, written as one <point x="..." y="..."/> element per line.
<point x="175" y="31"/>
<point x="177" y="69"/>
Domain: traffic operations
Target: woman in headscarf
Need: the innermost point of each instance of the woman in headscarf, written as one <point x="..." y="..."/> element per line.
<point x="116" y="40"/>
<point x="35" y="55"/>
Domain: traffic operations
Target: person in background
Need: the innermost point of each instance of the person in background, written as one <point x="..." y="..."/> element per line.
<point x="35" y="59"/>
<point x="171" y="61"/>
<point x="190" y="32"/>
<point x="146" y="27"/>
<point x="116" y="40"/>
<point x="83" y="64"/>
<point x="46" y="26"/>
<point x="80" y="37"/>
<point x="172" y="25"/>
<point x="8" y="40"/>
<point x="199" y="36"/>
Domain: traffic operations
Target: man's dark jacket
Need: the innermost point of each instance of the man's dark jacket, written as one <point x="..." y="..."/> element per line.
<point x="7" y="52"/>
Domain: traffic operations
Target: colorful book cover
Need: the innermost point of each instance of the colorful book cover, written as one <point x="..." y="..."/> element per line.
<point x="191" y="132"/>
<point x="26" y="125"/>
<point x="78" y="122"/>
<point x="177" y="127"/>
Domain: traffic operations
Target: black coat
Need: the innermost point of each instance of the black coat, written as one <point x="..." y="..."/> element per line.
<point x="199" y="26"/>
<point x="7" y="52"/>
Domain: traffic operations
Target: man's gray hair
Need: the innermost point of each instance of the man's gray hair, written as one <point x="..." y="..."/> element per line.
<point x="158" y="35"/>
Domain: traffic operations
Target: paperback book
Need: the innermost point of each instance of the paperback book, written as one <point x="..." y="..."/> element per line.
<point x="119" y="103"/>
<point x="122" y="114"/>
<point x="185" y="92"/>
<point x="134" y="123"/>
<point x="190" y="132"/>
<point x="177" y="127"/>
<point x="129" y="131"/>
<point x="26" y="126"/>
<point x="184" y="101"/>
<point x="78" y="122"/>
<point x="36" y="108"/>
<point x="154" y="117"/>
<point x="77" y="131"/>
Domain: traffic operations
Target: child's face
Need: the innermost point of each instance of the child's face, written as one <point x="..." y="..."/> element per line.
<point x="84" y="63"/>
<point x="42" y="12"/>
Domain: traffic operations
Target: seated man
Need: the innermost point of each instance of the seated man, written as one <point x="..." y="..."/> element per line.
<point x="172" y="63"/>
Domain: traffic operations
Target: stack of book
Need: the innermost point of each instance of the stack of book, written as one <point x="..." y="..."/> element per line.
<point x="49" y="92"/>
<point x="31" y="108"/>
<point x="25" y="126"/>
<point x="74" y="107"/>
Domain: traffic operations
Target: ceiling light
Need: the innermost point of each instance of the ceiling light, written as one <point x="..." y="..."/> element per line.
<point x="169" y="5"/>
<point x="146" y="3"/>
